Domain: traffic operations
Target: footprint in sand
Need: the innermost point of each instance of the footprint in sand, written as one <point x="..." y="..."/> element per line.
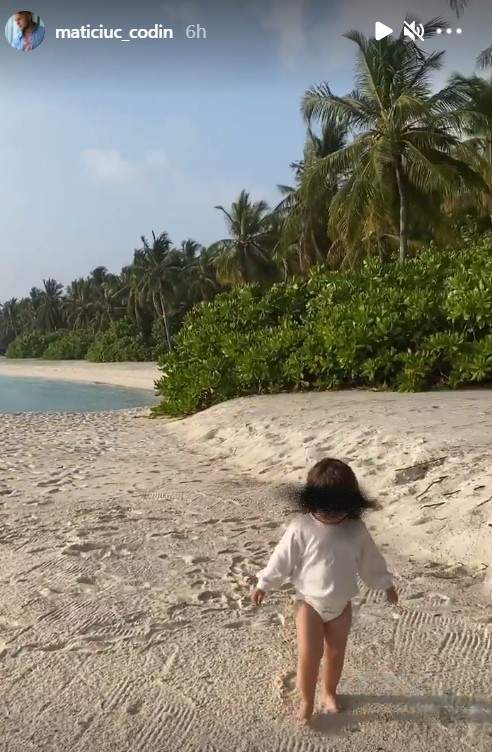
<point x="91" y="644"/>
<point x="286" y="683"/>
<point x="134" y="707"/>
<point x="414" y="596"/>
<point x="234" y="624"/>
<point x="209" y="595"/>
<point x="268" y="620"/>
<point x="254" y="545"/>
<point x="176" y="608"/>
<point x="438" y="599"/>
<point x="78" y="549"/>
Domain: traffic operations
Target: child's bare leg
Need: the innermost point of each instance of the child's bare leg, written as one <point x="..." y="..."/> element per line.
<point x="310" y="635"/>
<point x="336" y="634"/>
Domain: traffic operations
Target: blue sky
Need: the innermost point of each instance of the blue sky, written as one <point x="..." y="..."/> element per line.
<point x="101" y="141"/>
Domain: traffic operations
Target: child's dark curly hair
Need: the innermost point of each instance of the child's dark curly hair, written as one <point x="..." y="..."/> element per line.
<point x="332" y="487"/>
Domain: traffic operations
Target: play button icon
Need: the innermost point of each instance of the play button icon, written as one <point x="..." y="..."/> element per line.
<point x="381" y="30"/>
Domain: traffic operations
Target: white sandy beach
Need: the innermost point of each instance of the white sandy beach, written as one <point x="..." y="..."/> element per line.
<point x="426" y="458"/>
<point x="131" y="375"/>
<point x="127" y="549"/>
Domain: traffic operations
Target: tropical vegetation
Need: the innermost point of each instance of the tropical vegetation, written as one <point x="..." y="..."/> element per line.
<point x="360" y="275"/>
<point x="412" y="326"/>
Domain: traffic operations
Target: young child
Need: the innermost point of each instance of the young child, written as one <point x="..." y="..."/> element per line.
<point x="321" y="552"/>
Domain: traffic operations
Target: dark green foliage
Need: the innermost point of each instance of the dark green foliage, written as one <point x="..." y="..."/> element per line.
<point x="69" y="346"/>
<point x="58" y="345"/>
<point x="30" y="345"/>
<point x="120" y="342"/>
<point x="411" y="326"/>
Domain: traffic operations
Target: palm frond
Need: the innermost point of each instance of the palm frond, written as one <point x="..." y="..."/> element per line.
<point x="484" y="60"/>
<point x="458" y="5"/>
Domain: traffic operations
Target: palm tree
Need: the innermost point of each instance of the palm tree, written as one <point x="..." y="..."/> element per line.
<point x="50" y="305"/>
<point x="474" y="95"/>
<point x="156" y="269"/>
<point x="246" y="256"/>
<point x="199" y="278"/>
<point x="402" y="141"/>
<point x="128" y="292"/>
<point x="202" y="277"/>
<point x="32" y="304"/>
<point x="306" y="206"/>
<point x="10" y="316"/>
<point x="190" y="250"/>
<point x="106" y="288"/>
<point x="79" y="305"/>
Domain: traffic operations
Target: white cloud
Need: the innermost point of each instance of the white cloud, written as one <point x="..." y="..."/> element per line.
<point x="107" y="166"/>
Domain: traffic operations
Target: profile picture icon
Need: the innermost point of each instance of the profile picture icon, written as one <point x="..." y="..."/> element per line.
<point x="24" y="30"/>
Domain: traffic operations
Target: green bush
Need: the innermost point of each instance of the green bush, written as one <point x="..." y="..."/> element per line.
<point x="69" y="346"/>
<point x="120" y="342"/>
<point x="475" y="364"/>
<point x="59" y="345"/>
<point x="31" y="345"/>
<point x="424" y="323"/>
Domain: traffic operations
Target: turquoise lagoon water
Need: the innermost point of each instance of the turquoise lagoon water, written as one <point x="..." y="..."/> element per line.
<point x="18" y="394"/>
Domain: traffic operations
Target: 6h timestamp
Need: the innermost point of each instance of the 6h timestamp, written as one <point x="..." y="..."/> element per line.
<point x="195" y="31"/>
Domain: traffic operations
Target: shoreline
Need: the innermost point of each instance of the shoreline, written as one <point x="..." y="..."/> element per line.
<point x="127" y="375"/>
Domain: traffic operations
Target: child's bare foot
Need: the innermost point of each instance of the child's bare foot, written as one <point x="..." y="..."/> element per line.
<point x="332" y="703"/>
<point x="305" y="714"/>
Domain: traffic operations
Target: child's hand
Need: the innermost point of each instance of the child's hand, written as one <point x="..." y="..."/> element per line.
<point x="257" y="596"/>
<point x="391" y="595"/>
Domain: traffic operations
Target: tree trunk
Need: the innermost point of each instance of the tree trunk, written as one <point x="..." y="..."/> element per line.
<point x="166" y="327"/>
<point x="319" y="256"/>
<point x="12" y="324"/>
<point x="489" y="145"/>
<point x="400" y="179"/>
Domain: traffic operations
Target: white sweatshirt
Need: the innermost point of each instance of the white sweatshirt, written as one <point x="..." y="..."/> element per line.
<point x="322" y="560"/>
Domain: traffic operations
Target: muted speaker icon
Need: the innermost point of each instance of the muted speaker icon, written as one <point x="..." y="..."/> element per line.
<point x="413" y="30"/>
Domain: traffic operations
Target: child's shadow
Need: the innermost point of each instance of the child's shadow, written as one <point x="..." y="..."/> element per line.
<point x="445" y="709"/>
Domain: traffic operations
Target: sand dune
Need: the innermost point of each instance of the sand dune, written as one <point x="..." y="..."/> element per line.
<point x="425" y="457"/>
<point x="127" y="549"/>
